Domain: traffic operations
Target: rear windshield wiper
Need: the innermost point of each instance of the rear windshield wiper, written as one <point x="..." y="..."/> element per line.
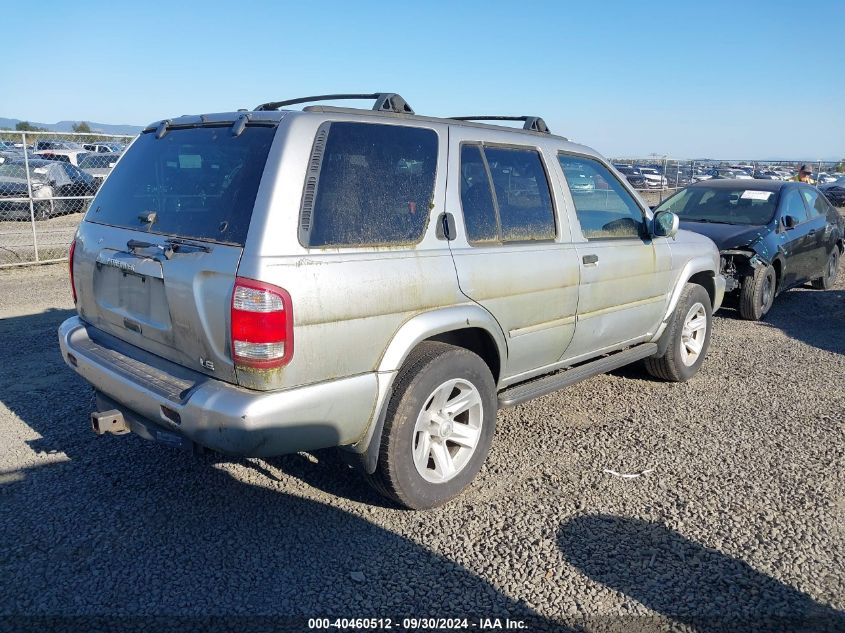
<point x="178" y="244"/>
<point x="171" y="246"/>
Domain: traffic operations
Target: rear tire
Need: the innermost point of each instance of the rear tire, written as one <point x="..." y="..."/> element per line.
<point x="757" y="293"/>
<point x="428" y="452"/>
<point x="43" y="211"/>
<point x="688" y="334"/>
<point x="828" y="278"/>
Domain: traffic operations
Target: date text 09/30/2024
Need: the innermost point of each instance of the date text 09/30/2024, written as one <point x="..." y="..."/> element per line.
<point x="411" y="624"/>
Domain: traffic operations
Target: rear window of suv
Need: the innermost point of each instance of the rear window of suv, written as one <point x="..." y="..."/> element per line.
<point x="201" y="183"/>
<point x="368" y="184"/>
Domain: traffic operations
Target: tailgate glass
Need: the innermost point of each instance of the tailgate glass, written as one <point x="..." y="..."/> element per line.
<point x="198" y="183"/>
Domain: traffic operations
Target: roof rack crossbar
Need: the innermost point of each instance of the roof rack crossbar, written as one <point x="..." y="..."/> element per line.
<point x="533" y="123"/>
<point x="384" y="101"/>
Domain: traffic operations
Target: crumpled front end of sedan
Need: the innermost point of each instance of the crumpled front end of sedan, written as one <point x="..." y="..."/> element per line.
<point x="737" y="264"/>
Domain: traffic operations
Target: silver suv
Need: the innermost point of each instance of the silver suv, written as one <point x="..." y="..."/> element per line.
<point x="272" y="281"/>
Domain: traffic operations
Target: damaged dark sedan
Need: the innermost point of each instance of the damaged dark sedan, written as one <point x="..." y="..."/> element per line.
<point x="772" y="235"/>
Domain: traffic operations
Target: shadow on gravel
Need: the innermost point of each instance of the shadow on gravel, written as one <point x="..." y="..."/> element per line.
<point x="686" y="581"/>
<point x="126" y="527"/>
<point x="326" y="471"/>
<point x="813" y="317"/>
<point x="36" y="385"/>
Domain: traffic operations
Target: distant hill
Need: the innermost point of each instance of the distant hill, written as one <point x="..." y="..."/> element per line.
<point x="67" y="126"/>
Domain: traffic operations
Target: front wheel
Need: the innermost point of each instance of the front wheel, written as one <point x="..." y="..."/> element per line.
<point x="439" y="426"/>
<point x="688" y="333"/>
<point x="828" y="278"/>
<point x="757" y="293"/>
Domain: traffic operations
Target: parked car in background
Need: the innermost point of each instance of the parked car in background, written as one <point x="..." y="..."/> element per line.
<point x="579" y="181"/>
<point x="678" y="177"/>
<point x="766" y="174"/>
<point x="9" y="154"/>
<point x="734" y="174"/>
<point x="772" y="236"/>
<point x="7" y="145"/>
<point x="835" y="191"/>
<point x="102" y="147"/>
<point x="45" y="145"/>
<point x="823" y="178"/>
<point x="50" y="180"/>
<point x="633" y="176"/>
<point x="98" y="166"/>
<point x="654" y="179"/>
<point x="743" y="167"/>
<point x="219" y="307"/>
<point x="72" y="156"/>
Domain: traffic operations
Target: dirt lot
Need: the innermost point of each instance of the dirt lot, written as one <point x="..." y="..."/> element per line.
<point x="740" y="517"/>
<point x="53" y="236"/>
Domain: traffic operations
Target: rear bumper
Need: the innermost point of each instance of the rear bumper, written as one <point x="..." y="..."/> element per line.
<point x="149" y="390"/>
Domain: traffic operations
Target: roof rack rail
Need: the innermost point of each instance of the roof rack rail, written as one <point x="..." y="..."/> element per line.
<point x="533" y="123"/>
<point x="384" y="101"/>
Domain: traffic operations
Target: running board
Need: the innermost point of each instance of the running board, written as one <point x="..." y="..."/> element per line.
<point x="525" y="391"/>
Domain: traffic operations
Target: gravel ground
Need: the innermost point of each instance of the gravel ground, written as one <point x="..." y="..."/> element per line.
<point x="739" y="518"/>
<point x="53" y="236"/>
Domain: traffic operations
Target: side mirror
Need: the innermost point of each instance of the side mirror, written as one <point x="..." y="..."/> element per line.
<point x="789" y="221"/>
<point x="665" y="224"/>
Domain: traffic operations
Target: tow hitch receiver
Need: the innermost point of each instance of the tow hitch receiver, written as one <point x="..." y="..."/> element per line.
<point x="111" y="421"/>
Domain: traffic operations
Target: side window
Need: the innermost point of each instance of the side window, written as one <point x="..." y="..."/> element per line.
<point x="604" y="207"/>
<point x="816" y="203"/>
<point x="793" y="205"/>
<point x="477" y="198"/>
<point x="522" y="194"/>
<point x="373" y="184"/>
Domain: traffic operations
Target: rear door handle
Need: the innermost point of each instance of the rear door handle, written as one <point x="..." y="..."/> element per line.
<point x="590" y="259"/>
<point x="812" y="232"/>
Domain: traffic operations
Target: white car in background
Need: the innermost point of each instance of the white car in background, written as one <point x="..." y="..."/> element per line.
<point x="72" y="156"/>
<point x="653" y="178"/>
<point x="103" y="147"/>
<point x="824" y="178"/>
<point x="748" y="169"/>
<point x="98" y="166"/>
<point x="735" y="174"/>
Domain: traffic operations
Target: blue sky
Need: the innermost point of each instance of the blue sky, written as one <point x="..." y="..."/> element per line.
<point x="703" y="79"/>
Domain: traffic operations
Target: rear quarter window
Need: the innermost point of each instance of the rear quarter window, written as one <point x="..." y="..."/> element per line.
<point x="368" y="185"/>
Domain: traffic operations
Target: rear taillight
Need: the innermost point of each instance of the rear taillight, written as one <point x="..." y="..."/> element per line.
<point x="262" y="325"/>
<point x="70" y="266"/>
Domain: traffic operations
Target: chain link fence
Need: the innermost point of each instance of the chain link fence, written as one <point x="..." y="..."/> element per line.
<point x="47" y="181"/>
<point x="658" y="177"/>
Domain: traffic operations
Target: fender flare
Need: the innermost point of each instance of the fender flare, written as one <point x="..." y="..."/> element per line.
<point x="427" y="324"/>
<point x="410" y="334"/>
<point x="702" y="264"/>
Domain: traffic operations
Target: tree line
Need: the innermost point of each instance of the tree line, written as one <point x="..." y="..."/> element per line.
<point x="25" y="126"/>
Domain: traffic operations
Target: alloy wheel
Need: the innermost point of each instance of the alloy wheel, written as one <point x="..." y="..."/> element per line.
<point x="693" y="334"/>
<point x="768" y="294"/>
<point x="447" y="431"/>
